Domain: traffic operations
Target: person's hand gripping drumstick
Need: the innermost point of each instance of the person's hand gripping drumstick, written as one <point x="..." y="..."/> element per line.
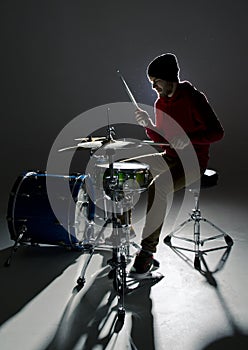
<point x="142" y="117"/>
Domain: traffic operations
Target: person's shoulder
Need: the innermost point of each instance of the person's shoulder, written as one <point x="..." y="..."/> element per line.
<point x="185" y="90"/>
<point x="186" y="86"/>
<point x="189" y="89"/>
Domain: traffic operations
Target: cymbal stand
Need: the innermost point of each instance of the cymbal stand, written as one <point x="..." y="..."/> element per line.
<point x="120" y="243"/>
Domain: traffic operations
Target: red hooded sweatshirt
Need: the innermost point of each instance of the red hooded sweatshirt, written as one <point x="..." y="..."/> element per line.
<point x="191" y="110"/>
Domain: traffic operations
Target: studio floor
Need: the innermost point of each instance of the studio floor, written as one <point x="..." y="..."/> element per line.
<point x="185" y="310"/>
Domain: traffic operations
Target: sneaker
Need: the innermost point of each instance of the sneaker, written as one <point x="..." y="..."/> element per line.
<point x="143" y="265"/>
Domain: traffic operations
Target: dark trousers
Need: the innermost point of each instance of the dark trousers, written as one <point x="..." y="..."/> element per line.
<point x="168" y="180"/>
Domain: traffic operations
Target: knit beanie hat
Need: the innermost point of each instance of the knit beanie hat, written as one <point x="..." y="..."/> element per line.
<point x="164" y="67"/>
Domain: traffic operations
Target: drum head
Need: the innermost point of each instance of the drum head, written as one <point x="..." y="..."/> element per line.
<point x="30" y="211"/>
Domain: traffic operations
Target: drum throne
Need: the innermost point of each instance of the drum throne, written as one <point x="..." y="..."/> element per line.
<point x="209" y="179"/>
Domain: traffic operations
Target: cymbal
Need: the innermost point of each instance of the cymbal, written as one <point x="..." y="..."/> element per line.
<point x="109" y="145"/>
<point x="94" y="145"/>
<point x="89" y="139"/>
<point x="112" y="144"/>
<point x="90" y="144"/>
<point x="120" y="144"/>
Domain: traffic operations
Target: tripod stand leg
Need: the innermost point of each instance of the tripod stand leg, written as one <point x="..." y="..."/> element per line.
<point x="119" y="275"/>
<point x="15" y="246"/>
<point x="121" y="314"/>
<point x="167" y="239"/>
<point x="223" y="234"/>
<point x="122" y="285"/>
<point x="197" y="263"/>
<point x="81" y="278"/>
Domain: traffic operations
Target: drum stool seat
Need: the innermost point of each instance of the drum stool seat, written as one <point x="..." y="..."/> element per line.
<point x="208" y="179"/>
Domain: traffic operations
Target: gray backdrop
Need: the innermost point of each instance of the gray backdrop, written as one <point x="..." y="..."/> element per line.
<point x="59" y="59"/>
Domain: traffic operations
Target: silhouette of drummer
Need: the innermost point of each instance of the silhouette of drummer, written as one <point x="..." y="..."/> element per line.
<point x="190" y="109"/>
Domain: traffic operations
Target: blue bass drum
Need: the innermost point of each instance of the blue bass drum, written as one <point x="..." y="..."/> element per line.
<point x="30" y="213"/>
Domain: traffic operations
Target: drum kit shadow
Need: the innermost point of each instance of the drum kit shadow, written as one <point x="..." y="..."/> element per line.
<point x="31" y="219"/>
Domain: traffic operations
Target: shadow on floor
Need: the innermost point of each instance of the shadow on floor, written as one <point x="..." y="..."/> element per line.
<point x="237" y="342"/>
<point x="33" y="268"/>
<point x="91" y="320"/>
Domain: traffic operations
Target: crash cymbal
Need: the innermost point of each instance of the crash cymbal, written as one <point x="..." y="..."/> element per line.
<point x="90" y="144"/>
<point x="121" y="144"/>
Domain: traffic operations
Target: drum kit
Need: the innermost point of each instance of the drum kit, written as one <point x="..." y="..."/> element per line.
<point x="31" y="219"/>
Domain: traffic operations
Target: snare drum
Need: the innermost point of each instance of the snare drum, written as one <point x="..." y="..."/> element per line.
<point x="30" y="212"/>
<point x="127" y="176"/>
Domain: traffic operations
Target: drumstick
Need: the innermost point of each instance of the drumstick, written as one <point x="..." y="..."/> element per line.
<point x="130" y="95"/>
<point x="136" y="105"/>
<point x="128" y="90"/>
<point x="152" y="143"/>
<point x="143" y="156"/>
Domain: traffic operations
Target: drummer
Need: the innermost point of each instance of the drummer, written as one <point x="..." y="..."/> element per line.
<point x="191" y="110"/>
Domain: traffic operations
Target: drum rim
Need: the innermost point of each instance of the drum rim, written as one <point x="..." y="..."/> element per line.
<point x="124" y="166"/>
